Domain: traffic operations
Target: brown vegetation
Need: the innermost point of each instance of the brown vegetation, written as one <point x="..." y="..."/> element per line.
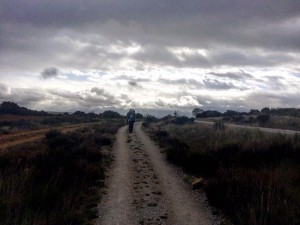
<point x="55" y="180"/>
<point x="253" y="177"/>
<point x="22" y="136"/>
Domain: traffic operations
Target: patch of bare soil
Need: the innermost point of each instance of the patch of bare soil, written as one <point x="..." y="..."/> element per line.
<point x="30" y="136"/>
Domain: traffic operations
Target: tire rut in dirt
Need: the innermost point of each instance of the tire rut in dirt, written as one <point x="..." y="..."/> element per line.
<point x="148" y="199"/>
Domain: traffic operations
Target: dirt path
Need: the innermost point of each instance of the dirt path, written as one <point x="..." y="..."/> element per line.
<point x="144" y="189"/>
<point x="30" y="136"/>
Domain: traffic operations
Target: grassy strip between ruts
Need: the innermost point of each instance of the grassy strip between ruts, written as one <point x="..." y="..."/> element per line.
<point x="57" y="180"/>
<point x="253" y="177"/>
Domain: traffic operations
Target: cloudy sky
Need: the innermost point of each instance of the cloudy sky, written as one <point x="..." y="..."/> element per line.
<point x="64" y="55"/>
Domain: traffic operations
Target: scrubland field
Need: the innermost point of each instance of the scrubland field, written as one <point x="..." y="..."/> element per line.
<point x="56" y="179"/>
<point x="52" y="167"/>
<point x="251" y="176"/>
<point x="270" y="121"/>
<point x="280" y="118"/>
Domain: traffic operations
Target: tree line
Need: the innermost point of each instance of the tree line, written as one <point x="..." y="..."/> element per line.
<point x="13" y="108"/>
<point x="199" y="113"/>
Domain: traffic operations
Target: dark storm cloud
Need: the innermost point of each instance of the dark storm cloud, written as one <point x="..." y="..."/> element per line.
<point x="66" y="100"/>
<point x="218" y="85"/>
<point x="248" y="57"/>
<point x="94" y="98"/>
<point x="3" y="90"/>
<point x="23" y="96"/>
<point x="102" y="98"/>
<point x="273" y="99"/>
<point x="157" y="55"/>
<point x="271" y="25"/>
<point x="91" y="101"/>
<point x="161" y="103"/>
<point x="276" y="83"/>
<point x="132" y="83"/>
<point x="196" y="61"/>
<point x="182" y="81"/>
<point x="64" y="13"/>
<point x="98" y="91"/>
<point x="28" y="96"/>
<point x="66" y="94"/>
<point x="49" y="72"/>
<point x="131" y="79"/>
<point x="241" y="75"/>
<point x="221" y="105"/>
<point x="162" y="56"/>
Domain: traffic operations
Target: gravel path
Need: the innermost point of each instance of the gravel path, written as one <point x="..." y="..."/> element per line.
<point x="264" y="129"/>
<point x="144" y="189"/>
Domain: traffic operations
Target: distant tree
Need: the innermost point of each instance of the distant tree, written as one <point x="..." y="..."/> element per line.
<point x="13" y="108"/>
<point x="110" y="114"/>
<point x="139" y="116"/>
<point x="254" y="112"/>
<point x="176" y="114"/>
<point x="209" y="113"/>
<point x="263" y="118"/>
<point x="250" y="119"/>
<point x="266" y="110"/>
<point x="79" y="113"/>
<point x="92" y="114"/>
<point x="181" y="120"/>
<point x="231" y="113"/>
<point x="167" y="117"/>
<point x="150" y="118"/>
<point x="196" y="112"/>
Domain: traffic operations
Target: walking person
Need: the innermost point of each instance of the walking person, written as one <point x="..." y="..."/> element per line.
<point x="130" y="119"/>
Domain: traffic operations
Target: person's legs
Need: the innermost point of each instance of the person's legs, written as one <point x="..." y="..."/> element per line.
<point x="130" y="127"/>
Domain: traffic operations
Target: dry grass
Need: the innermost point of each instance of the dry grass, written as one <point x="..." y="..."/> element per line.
<point x="285" y="122"/>
<point x="14" y="118"/>
<point x="56" y="180"/>
<point x="253" y="177"/>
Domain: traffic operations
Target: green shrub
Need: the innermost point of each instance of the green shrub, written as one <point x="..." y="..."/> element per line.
<point x="181" y="120"/>
<point x="149" y="118"/>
